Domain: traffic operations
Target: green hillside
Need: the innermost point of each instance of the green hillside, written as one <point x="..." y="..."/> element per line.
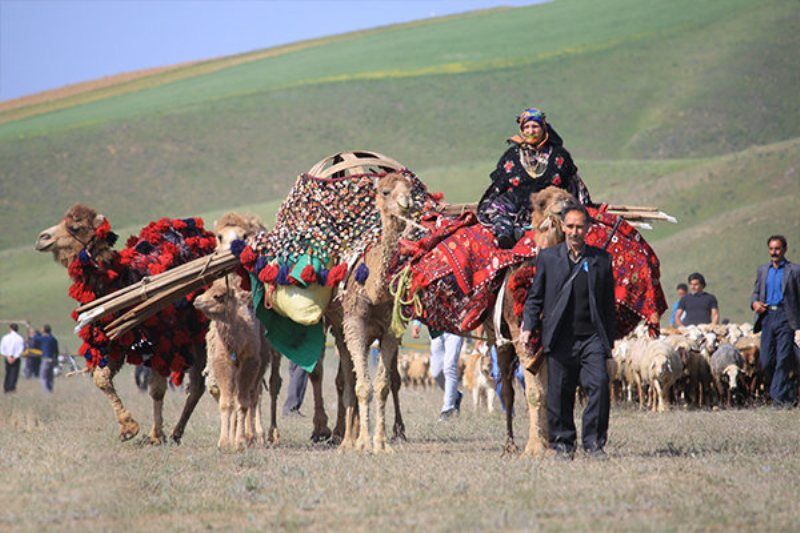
<point x="692" y="106"/>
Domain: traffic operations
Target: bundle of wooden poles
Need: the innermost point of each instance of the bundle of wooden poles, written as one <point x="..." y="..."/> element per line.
<point x="152" y="294"/>
<point x="140" y="301"/>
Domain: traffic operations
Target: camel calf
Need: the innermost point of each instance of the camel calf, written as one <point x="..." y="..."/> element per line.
<point x="238" y="355"/>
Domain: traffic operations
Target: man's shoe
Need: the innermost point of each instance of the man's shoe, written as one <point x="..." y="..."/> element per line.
<point x="294" y="413"/>
<point x="563" y="452"/>
<point x="448" y="415"/>
<point x="597" y="454"/>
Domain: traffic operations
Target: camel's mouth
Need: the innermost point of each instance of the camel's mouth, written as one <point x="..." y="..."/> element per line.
<point x="44" y="245"/>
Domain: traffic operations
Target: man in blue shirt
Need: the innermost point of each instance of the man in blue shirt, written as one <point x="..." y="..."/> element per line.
<point x="776" y="302"/>
<point x="49" y="347"/>
<point x="681" y="289"/>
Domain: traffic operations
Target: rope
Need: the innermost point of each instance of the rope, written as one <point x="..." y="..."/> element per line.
<point x="399" y="285"/>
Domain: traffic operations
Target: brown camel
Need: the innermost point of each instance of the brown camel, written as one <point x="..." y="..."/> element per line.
<point x="360" y="314"/>
<point x="235" y="226"/>
<point x="66" y="240"/>
<point x="238" y="355"/>
<point x="545" y="218"/>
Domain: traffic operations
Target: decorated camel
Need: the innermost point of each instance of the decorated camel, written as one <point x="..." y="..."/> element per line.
<point x="232" y="227"/>
<point x="171" y="341"/>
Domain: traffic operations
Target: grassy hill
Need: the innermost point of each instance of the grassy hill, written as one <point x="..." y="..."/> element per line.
<point x="692" y="106"/>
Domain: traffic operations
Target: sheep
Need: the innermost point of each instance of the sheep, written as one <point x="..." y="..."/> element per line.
<point x="478" y="379"/>
<point x="726" y="369"/>
<point x="752" y="379"/>
<point x="661" y="367"/>
<point x="633" y="369"/>
<point x="616" y="366"/>
<point x="419" y="370"/>
<point x="696" y="369"/>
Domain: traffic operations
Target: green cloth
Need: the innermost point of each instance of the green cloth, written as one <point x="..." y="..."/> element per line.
<point x="301" y="263"/>
<point x="301" y="344"/>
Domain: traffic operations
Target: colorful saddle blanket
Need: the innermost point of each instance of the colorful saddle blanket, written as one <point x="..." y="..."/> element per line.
<point x="456" y="272"/>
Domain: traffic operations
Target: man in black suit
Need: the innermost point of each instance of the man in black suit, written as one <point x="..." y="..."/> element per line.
<point x="571" y="301"/>
<point x="776" y="301"/>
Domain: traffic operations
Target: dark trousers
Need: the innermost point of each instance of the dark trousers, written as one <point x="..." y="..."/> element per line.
<point x="31" y="366"/>
<point x="777" y="356"/>
<point x="12" y="375"/>
<point x="298" y="379"/>
<point x="573" y="361"/>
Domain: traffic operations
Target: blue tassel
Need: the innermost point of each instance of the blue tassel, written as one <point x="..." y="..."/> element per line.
<point x="190" y="223"/>
<point x="283" y="275"/>
<point x="237" y="246"/>
<point x="111" y="238"/>
<point x="103" y="362"/>
<point x="261" y="262"/>
<point x="84" y="256"/>
<point x="362" y="273"/>
<point x="322" y="276"/>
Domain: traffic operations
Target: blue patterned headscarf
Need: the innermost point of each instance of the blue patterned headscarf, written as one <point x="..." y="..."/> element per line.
<point x="532" y="114"/>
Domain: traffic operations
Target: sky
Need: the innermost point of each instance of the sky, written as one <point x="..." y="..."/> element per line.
<point x="47" y="44"/>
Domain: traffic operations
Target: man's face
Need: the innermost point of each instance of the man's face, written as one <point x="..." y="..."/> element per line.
<point x="681" y="293"/>
<point x="776" y="250"/>
<point x="575" y="228"/>
<point x="695" y="286"/>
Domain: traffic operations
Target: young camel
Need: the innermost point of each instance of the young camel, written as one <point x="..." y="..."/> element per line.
<point x="360" y="314"/>
<point x="238" y="356"/>
<point x="235" y="226"/>
<point x="66" y="240"/>
<point x="545" y="217"/>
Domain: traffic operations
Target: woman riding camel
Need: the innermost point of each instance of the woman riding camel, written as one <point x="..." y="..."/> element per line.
<point x="536" y="159"/>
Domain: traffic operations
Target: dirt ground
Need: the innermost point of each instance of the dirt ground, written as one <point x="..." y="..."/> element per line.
<point x="62" y="467"/>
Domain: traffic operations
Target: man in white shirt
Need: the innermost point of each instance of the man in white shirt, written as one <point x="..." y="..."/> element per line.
<point x="11" y="347"/>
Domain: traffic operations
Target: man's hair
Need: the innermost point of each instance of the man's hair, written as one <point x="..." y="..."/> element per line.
<point x="574" y="206"/>
<point x="14" y="327"/>
<point x="778" y="238"/>
<point x="46" y="328"/>
<point x="682" y="287"/>
<point x="697" y="276"/>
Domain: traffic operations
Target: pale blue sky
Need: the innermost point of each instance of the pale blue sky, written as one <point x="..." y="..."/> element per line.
<point x="46" y="44"/>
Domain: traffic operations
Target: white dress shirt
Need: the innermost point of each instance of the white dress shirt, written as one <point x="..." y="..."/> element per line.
<point x="12" y="345"/>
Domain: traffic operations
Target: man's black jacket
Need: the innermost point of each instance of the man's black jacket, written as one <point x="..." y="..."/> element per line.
<point x="544" y="308"/>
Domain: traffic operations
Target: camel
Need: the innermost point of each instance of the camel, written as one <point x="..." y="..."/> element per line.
<point x="66" y="240"/>
<point x="545" y="217"/>
<point x="238" y="354"/>
<point x="360" y="314"/>
<point x="234" y="226"/>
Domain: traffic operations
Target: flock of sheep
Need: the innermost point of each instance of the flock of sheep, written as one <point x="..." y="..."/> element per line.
<point x="695" y="366"/>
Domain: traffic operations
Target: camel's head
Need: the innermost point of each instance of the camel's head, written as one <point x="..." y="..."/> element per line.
<point x="393" y="194"/>
<point x="75" y="232"/>
<point x="218" y="300"/>
<point x="546" y="208"/>
<point x="235" y="226"/>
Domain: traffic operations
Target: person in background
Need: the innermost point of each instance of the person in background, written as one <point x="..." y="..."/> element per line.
<point x="32" y="362"/>
<point x="296" y="391"/>
<point x="142" y="377"/>
<point x="681" y="290"/>
<point x="445" y="349"/>
<point x="697" y="307"/>
<point x="776" y="301"/>
<point x="49" y="347"/>
<point x="11" y="347"/>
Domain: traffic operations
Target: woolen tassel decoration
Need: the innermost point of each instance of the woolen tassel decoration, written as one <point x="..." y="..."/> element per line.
<point x="336" y="274"/>
<point x="261" y="262"/>
<point x="322" y="276"/>
<point x="362" y="273"/>
<point x="237" y="246"/>
<point x="248" y="258"/>
<point x="111" y="238"/>
<point x="283" y="275"/>
<point x="84" y="256"/>
<point x="269" y="274"/>
<point x="308" y="274"/>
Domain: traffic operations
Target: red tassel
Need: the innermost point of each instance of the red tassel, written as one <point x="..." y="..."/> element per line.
<point x="248" y="258"/>
<point x="336" y="274"/>
<point x="308" y="274"/>
<point x="437" y="196"/>
<point x="269" y="274"/>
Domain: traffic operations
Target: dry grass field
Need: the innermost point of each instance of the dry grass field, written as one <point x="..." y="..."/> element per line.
<point x="62" y="468"/>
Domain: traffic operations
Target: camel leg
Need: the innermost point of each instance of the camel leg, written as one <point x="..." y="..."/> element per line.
<point x="321" y="431"/>
<point x="226" y="414"/>
<point x="506" y="361"/>
<point x="476" y="398"/>
<point x="158" y="387"/>
<point x="536" y="395"/>
<point x="338" y="431"/>
<point x="399" y="428"/>
<point x="349" y="400"/>
<point x="259" y="427"/>
<point x="196" y="389"/>
<point x="489" y="400"/>
<point x="104" y="380"/>
<point x="241" y="406"/>
<point x="273" y="435"/>
<point x="388" y="351"/>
